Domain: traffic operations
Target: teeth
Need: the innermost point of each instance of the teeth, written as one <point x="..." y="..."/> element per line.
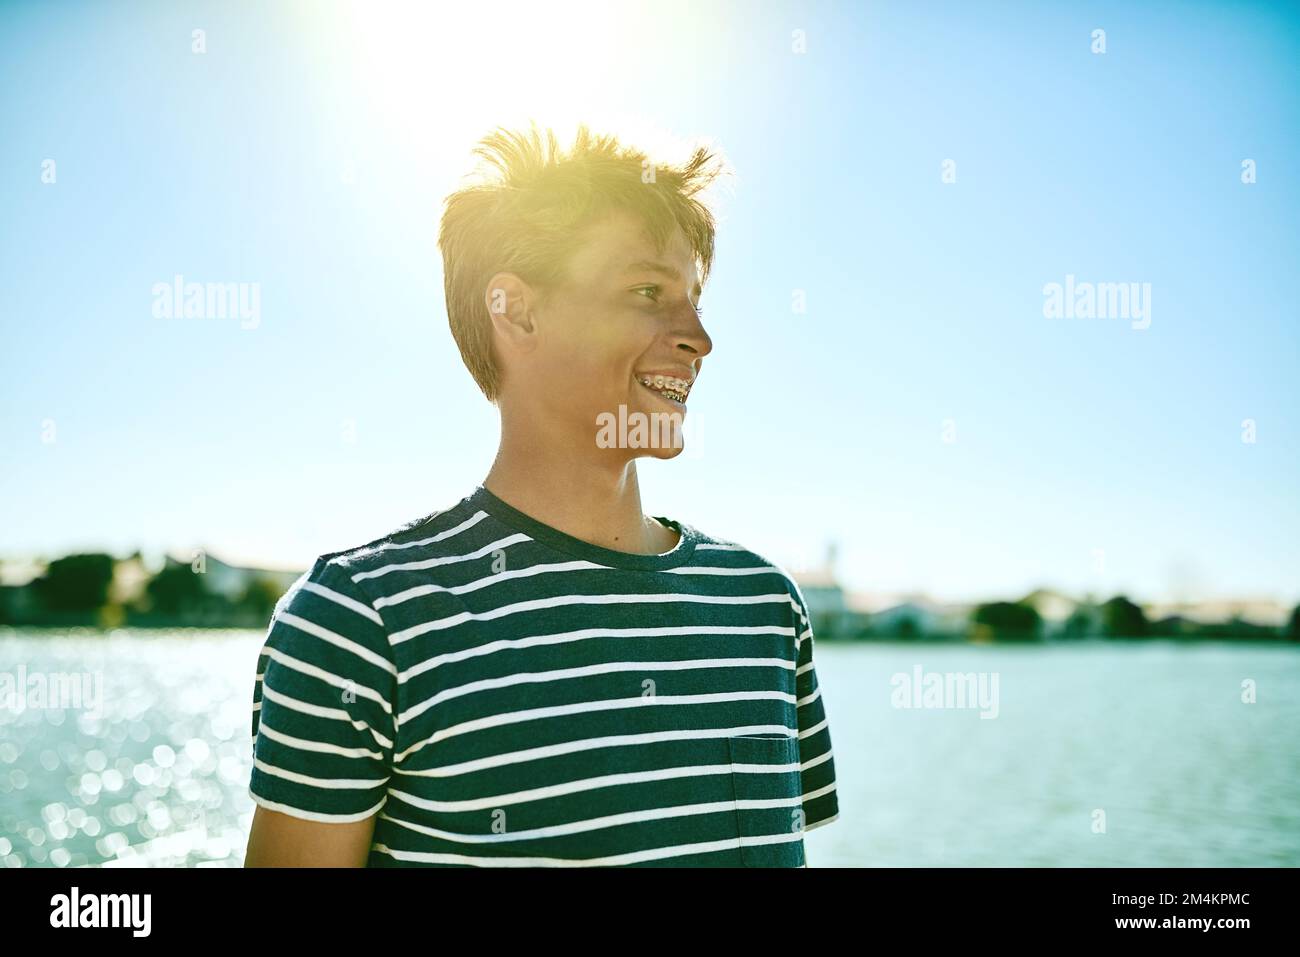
<point x="662" y="382"/>
<point x="670" y="386"/>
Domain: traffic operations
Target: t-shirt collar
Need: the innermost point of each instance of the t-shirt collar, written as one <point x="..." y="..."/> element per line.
<point x="513" y="518"/>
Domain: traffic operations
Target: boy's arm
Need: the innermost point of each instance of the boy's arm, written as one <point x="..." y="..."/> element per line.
<point x="816" y="757"/>
<point x="324" y="726"/>
<point x="281" y="840"/>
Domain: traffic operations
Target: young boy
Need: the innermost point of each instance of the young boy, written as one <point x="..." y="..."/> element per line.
<point x="541" y="674"/>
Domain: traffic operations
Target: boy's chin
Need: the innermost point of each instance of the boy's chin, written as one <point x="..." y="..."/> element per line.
<point x="641" y="432"/>
<point x="670" y="452"/>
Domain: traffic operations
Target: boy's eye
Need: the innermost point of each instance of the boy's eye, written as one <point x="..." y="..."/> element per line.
<point x="655" y="291"/>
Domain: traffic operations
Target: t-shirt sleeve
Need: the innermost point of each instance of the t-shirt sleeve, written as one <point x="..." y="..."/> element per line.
<point x="324" y="727"/>
<point x="816" y="762"/>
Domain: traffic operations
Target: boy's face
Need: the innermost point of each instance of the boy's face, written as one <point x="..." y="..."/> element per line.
<point x="626" y="316"/>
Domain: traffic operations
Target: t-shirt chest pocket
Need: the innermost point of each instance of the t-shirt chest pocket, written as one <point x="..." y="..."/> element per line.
<point x="767" y="791"/>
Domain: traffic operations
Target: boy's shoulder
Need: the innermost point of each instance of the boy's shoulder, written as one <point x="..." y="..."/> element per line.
<point x="712" y="549"/>
<point x="422" y="538"/>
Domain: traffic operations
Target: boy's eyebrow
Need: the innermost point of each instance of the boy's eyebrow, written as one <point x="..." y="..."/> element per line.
<point x="662" y="269"/>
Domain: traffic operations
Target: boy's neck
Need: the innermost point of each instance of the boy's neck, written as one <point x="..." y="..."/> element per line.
<point x="596" y="504"/>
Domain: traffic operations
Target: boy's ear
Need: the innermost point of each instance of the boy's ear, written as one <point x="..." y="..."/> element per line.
<point x="511" y="305"/>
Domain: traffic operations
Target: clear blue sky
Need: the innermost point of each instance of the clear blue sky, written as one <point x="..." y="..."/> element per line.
<point x="307" y="150"/>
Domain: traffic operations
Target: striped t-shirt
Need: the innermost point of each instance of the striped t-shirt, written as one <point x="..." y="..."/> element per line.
<point x="502" y="693"/>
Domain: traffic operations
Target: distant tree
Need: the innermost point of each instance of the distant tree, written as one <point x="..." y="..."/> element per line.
<point x="1080" y="624"/>
<point x="1121" y="618"/>
<point x="176" y="589"/>
<point x="1292" y="632"/>
<point x="1173" y="626"/>
<point x="907" y="629"/>
<point x="1007" y="621"/>
<point x="75" y="583"/>
<point x="259" y="597"/>
<point x="1240" y="628"/>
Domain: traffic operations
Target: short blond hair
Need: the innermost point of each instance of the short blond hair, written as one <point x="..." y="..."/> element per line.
<point x="526" y="215"/>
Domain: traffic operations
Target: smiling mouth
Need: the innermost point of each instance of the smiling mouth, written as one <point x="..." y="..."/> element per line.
<point x="669" y="387"/>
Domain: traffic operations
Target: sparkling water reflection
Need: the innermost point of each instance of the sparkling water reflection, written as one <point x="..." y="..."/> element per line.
<point x="157" y="777"/>
<point x="1154" y="736"/>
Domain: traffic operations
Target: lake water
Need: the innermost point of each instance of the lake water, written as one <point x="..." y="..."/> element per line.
<point x="1140" y="754"/>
